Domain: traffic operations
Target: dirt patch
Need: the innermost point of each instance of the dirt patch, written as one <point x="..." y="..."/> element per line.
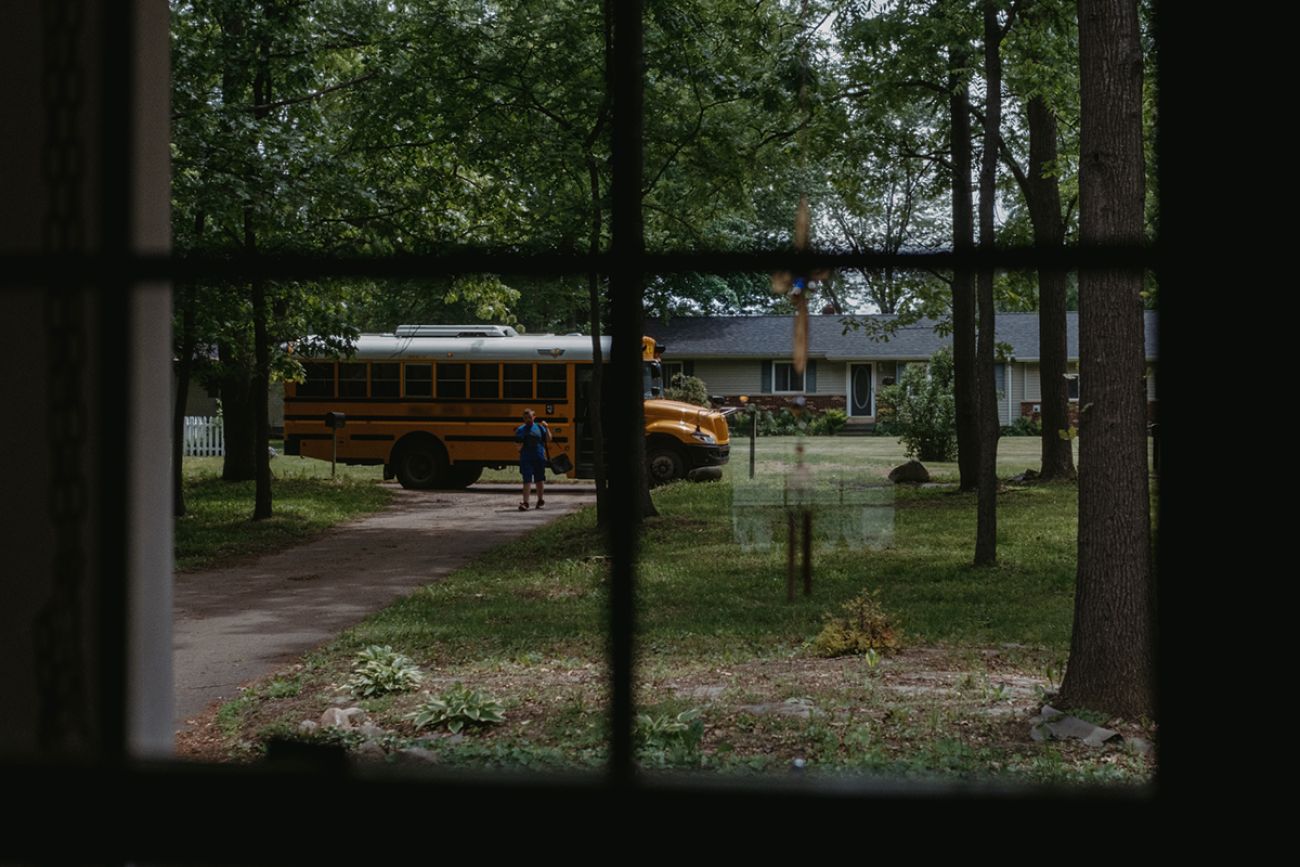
<point x="920" y="708"/>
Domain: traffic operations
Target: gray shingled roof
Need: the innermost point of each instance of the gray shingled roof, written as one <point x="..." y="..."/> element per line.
<point x="772" y="337"/>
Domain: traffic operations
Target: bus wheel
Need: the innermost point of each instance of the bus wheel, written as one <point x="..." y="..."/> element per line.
<point x="664" y="464"/>
<point x="421" y="465"/>
<point x="461" y="476"/>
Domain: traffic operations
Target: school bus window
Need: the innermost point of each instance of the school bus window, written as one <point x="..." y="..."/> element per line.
<point x="419" y="380"/>
<point x="451" y="380"/>
<point x="551" y="381"/>
<point x="319" y="381"/>
<point x="352" y="380"/>
<point x="384" y="380"/>
<point x="484" y="380"/>
<point x="518" y="379"/>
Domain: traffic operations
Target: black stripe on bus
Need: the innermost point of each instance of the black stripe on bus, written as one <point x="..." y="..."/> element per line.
<point x="473" y="400"/>
<point x="461" y="439"/>
<point x="312" y="436"/>
<point x="487" y="419"/>
<point x="371" y="437"/>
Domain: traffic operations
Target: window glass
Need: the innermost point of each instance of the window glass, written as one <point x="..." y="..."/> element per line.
<point x="419" y="380"/>
<point x="319" y="381"/>
<point x="785" y="378"/>
<point x="552" y="382"/>
<point x="518" y="381"/>
<point x="451" y="380"/>
<point x="384" y="379"/>
<point x="352" y="379"/>
<point x="484" y="380"/>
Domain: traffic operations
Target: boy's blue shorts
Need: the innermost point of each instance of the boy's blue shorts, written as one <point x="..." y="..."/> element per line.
<point x="533" y="471"/>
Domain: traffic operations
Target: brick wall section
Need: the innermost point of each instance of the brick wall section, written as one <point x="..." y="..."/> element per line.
<point x="1027" y="409"/>
<point x="819" y="402"/>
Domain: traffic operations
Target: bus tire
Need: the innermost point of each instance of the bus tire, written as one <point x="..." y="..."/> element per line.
<point x="664" y="464"/>
<point x="461" y="476"/>
<point x="421" y="464"/>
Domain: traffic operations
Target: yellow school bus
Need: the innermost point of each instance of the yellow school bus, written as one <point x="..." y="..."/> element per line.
<point x="436" y="404"/>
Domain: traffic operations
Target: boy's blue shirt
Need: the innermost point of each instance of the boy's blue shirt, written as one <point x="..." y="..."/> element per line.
<point x="532" y="437"/>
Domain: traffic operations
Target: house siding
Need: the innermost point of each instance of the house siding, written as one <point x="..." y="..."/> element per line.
<point x="830" y="377"/>
<point x="731" y="377"/>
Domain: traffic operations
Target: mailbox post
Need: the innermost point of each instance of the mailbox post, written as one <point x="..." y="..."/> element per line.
<point x="334" y="421"/>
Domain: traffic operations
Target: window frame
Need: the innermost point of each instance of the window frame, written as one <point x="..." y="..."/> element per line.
<point x="788" y="365"/>
<point x="129" y="270"/>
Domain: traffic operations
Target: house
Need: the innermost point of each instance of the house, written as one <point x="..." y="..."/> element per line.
<point x="752" y="356"/>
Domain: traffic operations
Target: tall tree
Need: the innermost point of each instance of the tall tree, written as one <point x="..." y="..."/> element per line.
<point x="987" y="398"/>
<point x="1111" y="663"/>
<point x="965" y="382"/>
<point x="1044" y="74"/>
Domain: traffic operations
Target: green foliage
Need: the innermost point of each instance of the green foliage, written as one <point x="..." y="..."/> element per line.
<point x="456" y="708"/>
<point x="784" y="422"/>
<point x="665" y="740"/>
<point x="688" y="389"/>
<point x="828" y="422"/>
<point x="926" y="409"/>
<point x="380" y="670"/>
<point x="1024" y="426"/>
<point x="862" y="627"/>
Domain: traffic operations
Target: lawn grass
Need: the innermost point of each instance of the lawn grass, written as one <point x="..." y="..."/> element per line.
<point x="218" y="523"/>
<point x="718" y="642"/>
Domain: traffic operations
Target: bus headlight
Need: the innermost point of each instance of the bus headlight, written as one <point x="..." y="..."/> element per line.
<point x="703" y="437"/>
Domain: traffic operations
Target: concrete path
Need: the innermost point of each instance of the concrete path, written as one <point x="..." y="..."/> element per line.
<point x="234" y="625"/>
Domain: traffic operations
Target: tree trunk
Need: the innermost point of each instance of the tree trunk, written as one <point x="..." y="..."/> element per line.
<point x="1111" y="658"/>
<point x="261" y="340"/>
<point x="596" y="396"/>
<point x="261" y="388"/>
<point x="236" y="387"/>
<point x="1043" y="195"/>
<point x="963" y="281"/>
<point x="185" y="367"/>
<point x="986" y="532"/>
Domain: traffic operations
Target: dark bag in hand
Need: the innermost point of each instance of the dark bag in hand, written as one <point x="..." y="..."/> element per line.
<point x="560" y="464"/>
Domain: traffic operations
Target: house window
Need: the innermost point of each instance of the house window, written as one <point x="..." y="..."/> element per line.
<point x="1072" y="385"/>
<point x="671" y="369"/>
<point x="785" y="377"/>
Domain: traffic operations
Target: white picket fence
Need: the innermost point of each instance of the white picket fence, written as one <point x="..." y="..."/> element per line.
<point x="204" y="437"/>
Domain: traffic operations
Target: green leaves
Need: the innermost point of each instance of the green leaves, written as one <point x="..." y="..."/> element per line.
<point x="380" y="670"/>
<point x="456" y="708"/>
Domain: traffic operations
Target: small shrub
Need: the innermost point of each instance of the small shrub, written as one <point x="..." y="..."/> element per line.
<point x="688" y="389"/>
<point x="828" y="423"/>
<point x="863" y="627"/>
<point x="380" y="670"/>
<point x="926" y="408"/>
<point x="1024" y="426"/>
<point x="670" y="740"/>
<point x="456" y="708"/>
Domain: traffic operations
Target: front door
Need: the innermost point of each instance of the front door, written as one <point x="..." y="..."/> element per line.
<point x="862" y="394"/>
